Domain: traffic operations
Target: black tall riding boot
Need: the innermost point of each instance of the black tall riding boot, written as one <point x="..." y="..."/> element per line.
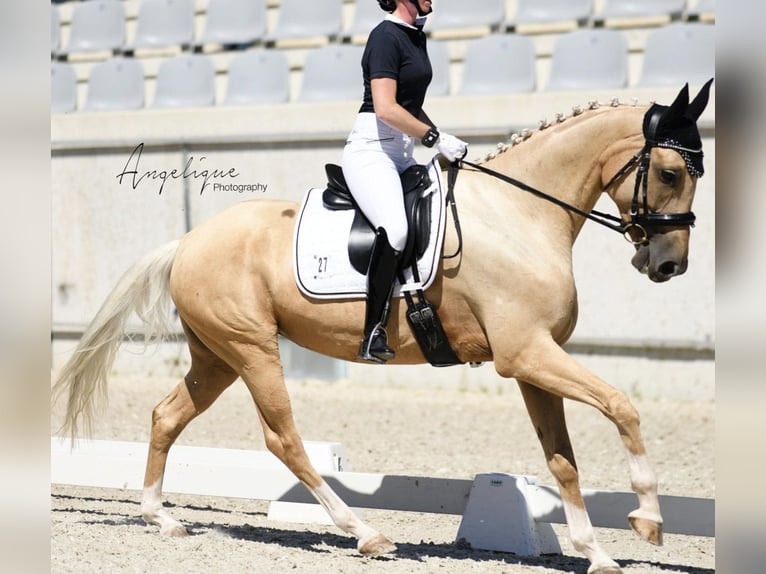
<point x="384" y="264"/>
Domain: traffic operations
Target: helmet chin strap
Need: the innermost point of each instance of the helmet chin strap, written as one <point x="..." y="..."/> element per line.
<point x="420" y="11"/>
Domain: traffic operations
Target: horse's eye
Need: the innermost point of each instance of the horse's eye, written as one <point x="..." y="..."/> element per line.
<point x="668" y="176"/>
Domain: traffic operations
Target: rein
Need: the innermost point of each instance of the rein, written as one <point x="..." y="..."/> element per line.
<point x="640" y="217"/>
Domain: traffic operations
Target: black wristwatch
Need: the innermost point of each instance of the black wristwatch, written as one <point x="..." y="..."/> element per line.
<point x="431" y="137"/>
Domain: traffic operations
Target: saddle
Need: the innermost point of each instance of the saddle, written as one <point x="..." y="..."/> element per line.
<point x="415" y="182"/>
<point x="421" y="315"/>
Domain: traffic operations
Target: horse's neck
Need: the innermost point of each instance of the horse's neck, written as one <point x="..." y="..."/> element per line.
<point x="566" y="160"/>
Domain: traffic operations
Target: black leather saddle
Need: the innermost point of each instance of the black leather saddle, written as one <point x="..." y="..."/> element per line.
<point x="415" y="181"/>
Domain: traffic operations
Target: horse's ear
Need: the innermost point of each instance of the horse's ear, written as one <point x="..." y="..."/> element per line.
<point x="679" y="106"/>
<point x="695" y="109"/>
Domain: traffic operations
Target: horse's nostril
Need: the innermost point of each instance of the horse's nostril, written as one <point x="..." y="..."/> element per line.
<point x="668" y="269"/>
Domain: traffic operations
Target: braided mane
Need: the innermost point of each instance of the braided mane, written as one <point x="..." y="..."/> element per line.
<point x="519" y="137"/>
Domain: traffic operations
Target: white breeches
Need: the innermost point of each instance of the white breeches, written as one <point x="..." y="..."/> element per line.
<point x="374" y="156"/>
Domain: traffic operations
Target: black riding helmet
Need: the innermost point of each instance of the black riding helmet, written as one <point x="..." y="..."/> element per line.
<point x="390" y="5"/>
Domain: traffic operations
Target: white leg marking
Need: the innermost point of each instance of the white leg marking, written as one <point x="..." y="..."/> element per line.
<point x="370" y="541"/>
<point x="583" y="538"/>
<point x="341" y="514"/>
<point x="153" y="513"/>
<point x="644" y="483"/>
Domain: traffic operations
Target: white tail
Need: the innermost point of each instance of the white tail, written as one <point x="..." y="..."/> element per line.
<point x="143" y="289"/>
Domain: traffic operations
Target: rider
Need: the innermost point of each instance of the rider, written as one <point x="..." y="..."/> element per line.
<point x="397" y="72"/>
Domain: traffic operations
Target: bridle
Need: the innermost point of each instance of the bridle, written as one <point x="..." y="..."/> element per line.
<point x="640" y="216"/>
<point x="641" y="219"/>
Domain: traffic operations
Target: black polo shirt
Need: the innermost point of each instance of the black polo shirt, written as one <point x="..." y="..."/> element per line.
<point x="397" y="52"/>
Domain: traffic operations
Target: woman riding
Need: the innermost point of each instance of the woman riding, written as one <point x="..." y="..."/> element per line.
<point x="397" y="72"/>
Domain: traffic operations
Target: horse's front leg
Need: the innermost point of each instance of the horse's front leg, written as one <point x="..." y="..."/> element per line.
<point x="546" y="412"/>
<point x="545" y="365"/>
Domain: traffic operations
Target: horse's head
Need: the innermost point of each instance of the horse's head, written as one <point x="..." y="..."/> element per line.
<point x="656" y="206"/>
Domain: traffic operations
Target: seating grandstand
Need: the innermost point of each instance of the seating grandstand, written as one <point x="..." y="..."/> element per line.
<point x="67" y="42"/>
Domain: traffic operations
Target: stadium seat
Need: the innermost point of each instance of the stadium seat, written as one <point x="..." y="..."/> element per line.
<point x="116" y="84"/>
<point x="164" y="23"/>
<point x="97" y="25"/>
<point x="546" y="11"/>
<point x="438" y="53"/>
<point x="186" y="80"/>
<point x="589" y="59"/>
<point x="333" y="73"/>
<point x="258" y="77"/>
<point x="300" y="19"/>
<point x="679" y="53"/>
<point x="461" y="14"/>
<point x="63" y="88"/>
<point x="230" y="22"/>
<point x="367" y="15"/>
<point x="55" y="30"/>
<point x="498" y="64"/>
<point x="700" y="9"/>
<point x="641" y="8"/>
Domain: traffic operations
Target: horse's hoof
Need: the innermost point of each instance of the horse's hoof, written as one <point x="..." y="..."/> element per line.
<point x="649" y="530"/>
<point x="376" y="546"/>
<point x="176" y="531"/>
<point x="606" y="570"/>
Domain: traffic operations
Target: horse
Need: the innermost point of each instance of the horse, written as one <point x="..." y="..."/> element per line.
<point x="509" y="298"/>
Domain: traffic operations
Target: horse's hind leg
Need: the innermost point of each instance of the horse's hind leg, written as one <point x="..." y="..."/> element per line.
<point x="207" y="378"/>
<point x="264" y="379"/>
<point x="547" y="414"/>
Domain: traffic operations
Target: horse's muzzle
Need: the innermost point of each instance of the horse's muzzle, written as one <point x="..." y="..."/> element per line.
<point x="662" y="257"/>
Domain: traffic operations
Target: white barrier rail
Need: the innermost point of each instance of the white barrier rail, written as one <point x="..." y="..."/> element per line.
<point x="500" y="512"/>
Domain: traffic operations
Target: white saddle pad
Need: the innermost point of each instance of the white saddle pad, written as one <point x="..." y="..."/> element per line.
<point x="322" y="268"/>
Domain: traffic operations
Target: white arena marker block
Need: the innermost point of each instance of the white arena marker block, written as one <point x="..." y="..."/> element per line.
<point x="327" y="458"/>
<point x="499" y="517"/>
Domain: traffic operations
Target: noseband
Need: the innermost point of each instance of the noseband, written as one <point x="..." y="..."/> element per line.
<point x="641" y="218"/>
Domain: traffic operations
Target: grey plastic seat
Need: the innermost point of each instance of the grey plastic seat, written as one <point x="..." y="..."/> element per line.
<point x="63" y="88"/>
<point x="187" y="80"/>
<point x="164" y="23"/>
<point x="367" y="15"/>
<point x="641" y="8"/>
<point x="544" y="11"/>
<point x="55" y="29"/>
<point x="333" y="73"/>
<point x="679" y="53"/>
<point x="116" y="84"/>
<point x="258" y="77"/>
<point x="97" y="25"/>
<point x="301" y="19"/>
<point x="497" y="64"/>
<point x="438" y="53"/>
<point x="589" y="59"/>
<point x="462" y="14"/>
<point x="234" y="22"/>
<point x="700" y="8"/>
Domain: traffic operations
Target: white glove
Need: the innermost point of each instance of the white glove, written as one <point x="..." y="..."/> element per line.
<point x="451" y="147"/>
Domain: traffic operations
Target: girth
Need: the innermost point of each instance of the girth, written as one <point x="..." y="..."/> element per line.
<point x="415" y="181"/>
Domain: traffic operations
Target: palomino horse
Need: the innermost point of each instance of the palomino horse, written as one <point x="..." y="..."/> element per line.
<point x="510" y="298"/>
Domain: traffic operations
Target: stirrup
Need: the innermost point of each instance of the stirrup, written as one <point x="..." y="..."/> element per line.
<point x="375" y="348"/>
